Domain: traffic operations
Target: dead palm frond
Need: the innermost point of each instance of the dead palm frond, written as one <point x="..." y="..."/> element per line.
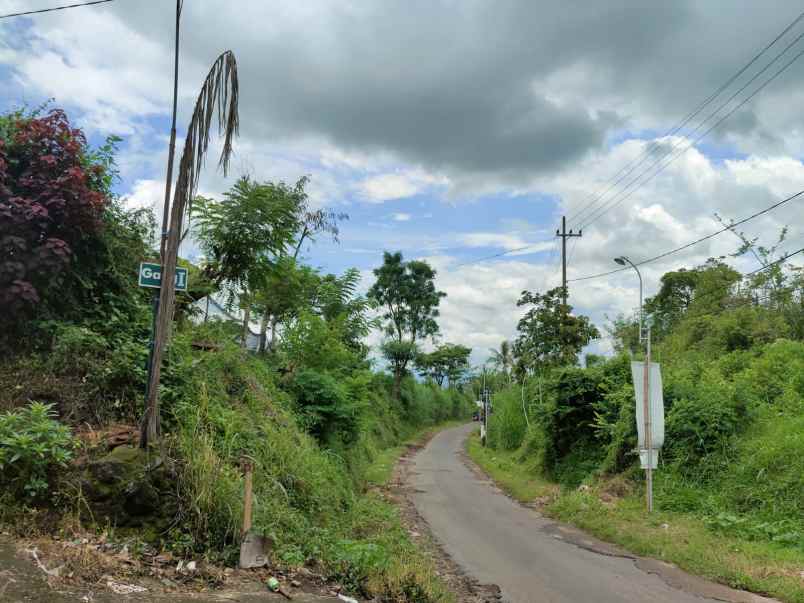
<point x="219" y="98"/>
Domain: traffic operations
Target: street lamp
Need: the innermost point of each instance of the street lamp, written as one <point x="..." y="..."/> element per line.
<point x="622" y="261"/>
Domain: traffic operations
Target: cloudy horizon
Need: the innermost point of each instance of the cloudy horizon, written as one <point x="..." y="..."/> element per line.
<point x="454" y="131"/>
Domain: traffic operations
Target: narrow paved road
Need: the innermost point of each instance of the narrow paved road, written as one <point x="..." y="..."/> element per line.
<point x="532" y="559"/>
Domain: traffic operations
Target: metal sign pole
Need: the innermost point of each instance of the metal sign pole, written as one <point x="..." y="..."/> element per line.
<point x="647" y="411"/>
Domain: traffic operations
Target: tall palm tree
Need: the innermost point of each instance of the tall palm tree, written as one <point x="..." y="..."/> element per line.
<point x="503" y="358"/>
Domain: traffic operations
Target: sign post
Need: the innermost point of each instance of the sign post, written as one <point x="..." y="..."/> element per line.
<point x="150" y="276"/>
<point x="647" y="379"/>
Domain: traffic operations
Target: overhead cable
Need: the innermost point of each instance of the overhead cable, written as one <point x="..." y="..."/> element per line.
<point x="640" y="159"/>
<point x="497" y="255"/>
<point x="617" y="201"/>
<point x="55" y="8"/>
<point x="688" y="245"/>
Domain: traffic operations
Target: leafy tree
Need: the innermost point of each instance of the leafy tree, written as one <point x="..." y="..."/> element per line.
<point x="53" y="194"/>
<point x="338" y="302"/>
<point x="549" y="335"/>
<point x="503" y="358"/>
<point x="287" y="289"/>
<point x="406" y="292"/>
<point x="672" y="301"/>
<point x="447" y="362"/>
<point x="312" y="221"/>
<point x="244" y="235"/>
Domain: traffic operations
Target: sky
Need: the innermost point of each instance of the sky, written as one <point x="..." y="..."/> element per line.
<point x="453" y="131"/>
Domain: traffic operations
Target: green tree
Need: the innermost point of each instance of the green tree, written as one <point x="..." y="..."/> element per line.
<point x="287" y="289"/>
<point x="244" y="235"/>
<point x="447" y="362"/>
<point x="549" y="334"/>
<point x="503" y="358"/>
<point x="672" y="301"/>
<point x="407" y="293"/>
<point x="338" y="302"/>
<point x="312" y="221"/>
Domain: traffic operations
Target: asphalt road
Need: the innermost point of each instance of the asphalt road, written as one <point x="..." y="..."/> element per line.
<point x="533" y="559"/>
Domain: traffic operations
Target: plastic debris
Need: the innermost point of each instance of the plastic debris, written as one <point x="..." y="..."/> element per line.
<point x="124" y="589"/>
<point x="347" y="599"/>
<point x="55" y="572"/>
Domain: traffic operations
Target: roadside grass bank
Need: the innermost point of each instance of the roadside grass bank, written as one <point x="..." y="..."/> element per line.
<point x="613" y="510"/>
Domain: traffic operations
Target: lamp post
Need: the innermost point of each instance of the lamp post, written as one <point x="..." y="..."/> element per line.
<point x="622" y="261"/>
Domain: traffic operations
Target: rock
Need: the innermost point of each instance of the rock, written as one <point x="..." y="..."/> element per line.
<point x="125" y="489"/>
<point x="295" y="583"/>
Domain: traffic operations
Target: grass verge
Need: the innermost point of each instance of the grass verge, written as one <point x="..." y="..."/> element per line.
<point x="611" y="510"/>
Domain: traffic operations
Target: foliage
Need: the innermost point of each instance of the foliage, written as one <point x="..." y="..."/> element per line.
<point x="53" y="194"/>
<point x="33" y="444"/>
<point x="549" y="335"/>
<point x="503" y="358"/>
<point x="448" y="361"/>
<point x="243" y="235"/>
<point x="326" y="408"/>
<point x="313" y="221"/>
<point x="407" y="294"/>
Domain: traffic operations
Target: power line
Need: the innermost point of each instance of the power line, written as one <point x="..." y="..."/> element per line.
<point x="636" y="162"/>
<point x="497" y="255"/>
<point x="615" y="201"/>
<point x="688" y="245"/>
<point x="55" y="8"/>
<point x="747" y="274"/>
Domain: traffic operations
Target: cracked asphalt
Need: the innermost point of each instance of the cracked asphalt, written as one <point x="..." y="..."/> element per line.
<point x="533" y="559"/>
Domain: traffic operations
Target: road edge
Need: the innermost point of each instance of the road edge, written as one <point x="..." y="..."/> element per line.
<point x="671" y="574"/>
<point x="398" y="491"/>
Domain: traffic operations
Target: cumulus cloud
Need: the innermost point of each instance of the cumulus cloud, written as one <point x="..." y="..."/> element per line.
<point x="383" y="101"/>
<point x="544" y="85"/>
<point x="396" y="185"/>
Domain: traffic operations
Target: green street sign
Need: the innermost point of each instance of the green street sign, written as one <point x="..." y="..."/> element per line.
<point x="151" y="276"/>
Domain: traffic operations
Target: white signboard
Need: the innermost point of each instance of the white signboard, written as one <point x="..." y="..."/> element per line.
<point x="656" y="406"/>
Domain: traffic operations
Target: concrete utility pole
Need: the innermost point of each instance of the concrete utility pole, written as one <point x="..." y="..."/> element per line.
<point x="564" y="235"/>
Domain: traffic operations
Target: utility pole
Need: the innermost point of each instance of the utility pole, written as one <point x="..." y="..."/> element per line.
<point x="564" y="235"/>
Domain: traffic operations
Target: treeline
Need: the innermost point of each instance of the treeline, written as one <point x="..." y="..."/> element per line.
<point x="732" y="355"/>
<point x="309" y="407"/>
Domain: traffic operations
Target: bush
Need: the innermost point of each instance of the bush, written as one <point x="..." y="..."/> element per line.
<point x="328" y="412"/>
<point x="703" y="421"/>
<point x="507" y="423"/>
<point x="32" y="445"/>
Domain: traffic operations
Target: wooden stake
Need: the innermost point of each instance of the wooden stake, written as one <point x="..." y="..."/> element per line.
<point x="247" y="501"/>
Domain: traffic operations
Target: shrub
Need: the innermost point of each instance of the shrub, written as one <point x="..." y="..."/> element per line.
<point x="328" y="411"/>
<point x="507" y="421"/>
<point x="32" y="444"/>
<point x="703" y="421"/>
<point x="51" y="196"/>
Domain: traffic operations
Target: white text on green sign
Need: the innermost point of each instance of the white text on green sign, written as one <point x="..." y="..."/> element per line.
<point x="151" y="276"/>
